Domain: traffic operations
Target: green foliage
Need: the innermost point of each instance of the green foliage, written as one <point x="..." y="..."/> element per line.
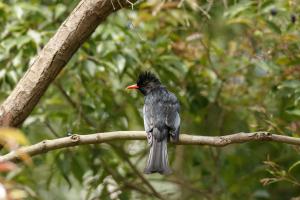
<point x="234" y="66"/>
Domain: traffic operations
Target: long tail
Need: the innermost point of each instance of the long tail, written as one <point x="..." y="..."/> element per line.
<point x="158" y="157"/>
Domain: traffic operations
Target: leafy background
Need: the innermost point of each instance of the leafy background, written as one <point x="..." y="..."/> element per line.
<point x="234" y="65"/>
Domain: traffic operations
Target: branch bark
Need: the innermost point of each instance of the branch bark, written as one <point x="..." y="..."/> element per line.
<point x="74" y="31"/>
<point x="75" y="140"/>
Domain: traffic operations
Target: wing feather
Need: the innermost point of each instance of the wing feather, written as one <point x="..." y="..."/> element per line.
<point x="161" y="111"/>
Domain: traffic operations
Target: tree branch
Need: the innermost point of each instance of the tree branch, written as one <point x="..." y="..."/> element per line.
<point x="74" y="31"/>
<point x="75" y="140"/>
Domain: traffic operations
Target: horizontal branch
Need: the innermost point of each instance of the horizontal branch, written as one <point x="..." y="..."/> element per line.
<point x="75" y="140"/>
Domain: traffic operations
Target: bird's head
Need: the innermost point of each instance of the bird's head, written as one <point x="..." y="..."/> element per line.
<point x="145" y="83"/>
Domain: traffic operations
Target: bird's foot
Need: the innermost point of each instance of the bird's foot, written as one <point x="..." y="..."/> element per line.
<point x="174" y="137"/>
<point x="149" y="138"/>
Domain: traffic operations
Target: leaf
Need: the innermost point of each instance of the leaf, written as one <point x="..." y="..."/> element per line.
<point x="8" y="44"/>
<point x="294" y="112"/>
<point x="12" y="135"/>
<point x="293" y="166"/>
<point x="2" y="73"/>
<point x="34" y="8"/>
<point x="121" y="61"/>
<point x="18" y="194"/>
<point x="22" y="40"/>
<point x="19" y="11"/>
<point x="293" y="84"/>
<point x="237" y="9"/>
<point x="262" y="193"/>
<point x="17" y="61"/>
<point x="63" y="164"/>
<point x="77" y="169"/>
<point x="7" y="166"/>
<point x="59" y="10"/>
<point x="240" y="20"/>
<point x="36" y="36"/>
<point x="91" y="67"/>
<point x="273" y="26"/>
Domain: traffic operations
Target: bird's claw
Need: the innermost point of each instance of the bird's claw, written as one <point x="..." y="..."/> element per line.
<point x="149" y="138"/>
<point x="174" y="136"/>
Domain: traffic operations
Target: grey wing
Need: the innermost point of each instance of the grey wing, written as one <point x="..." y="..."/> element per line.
<point x="174" y="122"/>
<point x="148" y="123"/>
<point x="173" y="117"/>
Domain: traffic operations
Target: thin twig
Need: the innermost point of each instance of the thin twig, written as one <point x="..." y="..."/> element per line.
<point x="187" y="185"/>
<point x="49" y="126"/>
<point x="74" y="104"/>
<point x="126" y="183"/>
<point x="137" y="172"/>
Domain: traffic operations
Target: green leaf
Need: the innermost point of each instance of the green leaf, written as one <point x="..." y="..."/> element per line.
<point x="293" y="166"/>
<point x="293" y="84"/>
<point x="294" y="112"/>
<point x="60" y="9"/>
<point x="237" y="9"/>
<point x="273" y="27"/>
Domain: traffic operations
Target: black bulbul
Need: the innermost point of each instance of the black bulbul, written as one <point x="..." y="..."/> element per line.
<point x="161" y="120"/>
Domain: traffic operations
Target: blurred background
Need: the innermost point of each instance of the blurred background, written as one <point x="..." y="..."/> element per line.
<point x="234" y="65"/>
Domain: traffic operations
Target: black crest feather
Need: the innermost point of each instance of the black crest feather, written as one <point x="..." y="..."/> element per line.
<point x="147" y="77"/>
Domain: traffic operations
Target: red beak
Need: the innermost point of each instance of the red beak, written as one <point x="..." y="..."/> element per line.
<point x="133" y="87"/>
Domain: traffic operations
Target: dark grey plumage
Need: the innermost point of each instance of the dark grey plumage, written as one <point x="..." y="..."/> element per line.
<point x="161" y="121"/>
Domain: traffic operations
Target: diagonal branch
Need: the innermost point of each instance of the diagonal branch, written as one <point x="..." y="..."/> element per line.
<point x="75" y="140"/>
<point x="74" y="105"/>
<point x="127" y="184"/>
<point x="73" y="32"/>
<point x="136" y="171"/>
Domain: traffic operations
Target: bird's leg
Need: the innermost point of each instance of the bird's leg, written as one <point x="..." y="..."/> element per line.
<point x="170" y="134"/>
<point x="149" y="138"/>
<point x="174" y="135"/>
<point x="169" y="137"/>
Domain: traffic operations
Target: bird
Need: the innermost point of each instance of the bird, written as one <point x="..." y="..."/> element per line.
<point x="161" y="120"/>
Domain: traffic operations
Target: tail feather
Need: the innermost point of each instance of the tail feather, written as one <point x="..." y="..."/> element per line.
<point x="158" y="158"/>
